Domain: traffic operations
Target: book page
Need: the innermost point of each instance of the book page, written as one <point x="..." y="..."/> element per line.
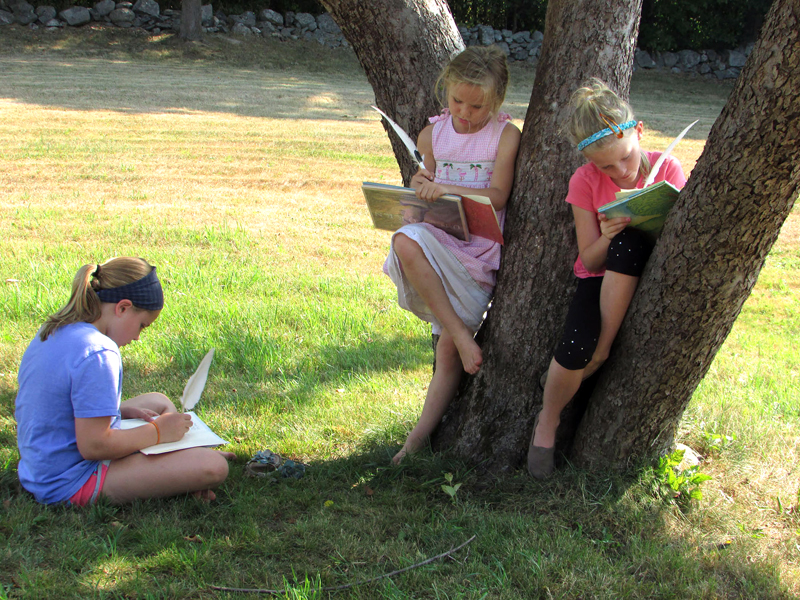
<point x="198" y="435"/>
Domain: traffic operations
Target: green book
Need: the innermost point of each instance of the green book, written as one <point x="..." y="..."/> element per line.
<point x="647" y="207"/>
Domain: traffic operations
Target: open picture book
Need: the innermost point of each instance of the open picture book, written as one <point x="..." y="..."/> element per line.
<point x="199" y="434"/>
<point x="648" y="206"/>
<point x="392" y="206"/>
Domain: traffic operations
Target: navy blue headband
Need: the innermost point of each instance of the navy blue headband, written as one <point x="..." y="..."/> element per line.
<point x="145" y="293"/>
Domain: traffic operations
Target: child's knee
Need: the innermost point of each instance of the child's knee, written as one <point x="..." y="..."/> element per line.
<point x="403" y="245"/>
<point x="215" y="470"/>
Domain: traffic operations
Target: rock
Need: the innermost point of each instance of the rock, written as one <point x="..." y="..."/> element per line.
<point x="504" y="47"/>
<point x="270" y="16"/>
<point x="690" y="457"/>
<point x="147" y="7"/>
<point x="267" y="28"/>
<point x="644" y="60"/>
<point x="104" y="7"/>
<point x="6" y="18"/>
<point x="537" y="36"/>
<point x="688" y="59"/>
<point x="206" y="14"/>
<point x="247" y="18"/>
<point x="54" y="23"/>
<point x="727" y="74"/>
<point x="305" y="21"/>
<point x="326" y="24"/>
<point x="122" y="17"/>
<point x="521" y="37"/>
<point x="520" y="54"/>
<point x="670" y="59"/>
<point x="704" y="68"/>
<point x="46" y="13"/>
<point x="485" y="35"/>
<point x="241" y="29"/>
<point x="75" y="16"/>
<point x="736" y="59"/>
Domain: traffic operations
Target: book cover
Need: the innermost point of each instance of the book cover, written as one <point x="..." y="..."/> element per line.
<point x="392" y="206"/>
<point x="199" y="434"/>
<point x="646" y="207"/>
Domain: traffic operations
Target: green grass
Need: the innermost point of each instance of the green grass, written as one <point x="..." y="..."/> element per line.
<point x="249" y="206"/>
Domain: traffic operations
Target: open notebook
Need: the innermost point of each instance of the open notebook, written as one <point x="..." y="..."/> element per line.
<point x="199" y="434"/>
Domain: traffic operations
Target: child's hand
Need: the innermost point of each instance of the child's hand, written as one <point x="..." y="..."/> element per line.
<point x="426" y="189"/>
<point x="611" y="227"/>
<point x="173" y="426"/>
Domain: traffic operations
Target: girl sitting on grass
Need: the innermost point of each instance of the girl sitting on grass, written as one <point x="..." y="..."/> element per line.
<point x="68" y="407"/>
<point x="440" y="278"/>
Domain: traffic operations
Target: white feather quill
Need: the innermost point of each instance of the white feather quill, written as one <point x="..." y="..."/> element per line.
<point x="406" y="139"/>
<point x="196" y="384"/>
<point x="664" y="155"/>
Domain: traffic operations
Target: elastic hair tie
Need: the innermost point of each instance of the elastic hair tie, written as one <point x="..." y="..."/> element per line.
<point x="612" y="129"/>
<point x="96" y="273"/>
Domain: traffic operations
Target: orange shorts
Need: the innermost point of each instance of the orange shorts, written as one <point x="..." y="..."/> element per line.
<point x="91" y="489"/>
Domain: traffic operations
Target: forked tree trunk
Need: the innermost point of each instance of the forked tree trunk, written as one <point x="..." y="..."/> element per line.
<point x="491" y="419"/>
<point x="402" y="46"/>
<point x="191" y="20"/>
<point x="708" y="257"/>
<point x="701" y="271"/>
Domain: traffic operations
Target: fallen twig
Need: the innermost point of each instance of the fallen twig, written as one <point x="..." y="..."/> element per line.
<point x="349" y="585"/>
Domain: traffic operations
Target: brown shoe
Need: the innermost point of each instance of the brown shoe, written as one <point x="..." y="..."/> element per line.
<point x="540" y="460"/>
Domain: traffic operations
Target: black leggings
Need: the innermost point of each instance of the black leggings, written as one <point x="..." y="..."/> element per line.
<point x="627" y="254"/>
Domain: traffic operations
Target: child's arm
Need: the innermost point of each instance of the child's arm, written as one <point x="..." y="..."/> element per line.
<point x="97" y="441"/>
<point x="595" y="233"/>
<point x="502" y="178"/>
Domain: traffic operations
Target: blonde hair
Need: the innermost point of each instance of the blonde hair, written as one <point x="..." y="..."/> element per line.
<point x="84" y="304"/>
<point x="591" y="101"/>
<point x="482" y="66"/>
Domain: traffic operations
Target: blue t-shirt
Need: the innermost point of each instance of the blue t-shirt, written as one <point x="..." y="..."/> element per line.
<point x="75" y="373"/>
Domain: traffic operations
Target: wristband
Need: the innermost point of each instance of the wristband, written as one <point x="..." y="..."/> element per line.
<point x="158" y="431"/>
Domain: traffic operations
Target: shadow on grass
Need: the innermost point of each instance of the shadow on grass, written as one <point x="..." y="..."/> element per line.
<point x="354" y="518"/>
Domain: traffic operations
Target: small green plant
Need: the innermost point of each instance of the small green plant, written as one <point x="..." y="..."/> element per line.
<point x="450" y="488"/>
<point x="304" y="589"/>
<point x="681" y="485"/>
<point x="714" y="442"/>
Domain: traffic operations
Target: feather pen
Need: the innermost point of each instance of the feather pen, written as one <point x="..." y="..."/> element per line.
<point x="664" y="155"/>
<point x="196" y="384"/>
<point x="406" y="139"/>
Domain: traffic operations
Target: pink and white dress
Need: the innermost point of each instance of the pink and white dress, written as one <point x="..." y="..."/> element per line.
<point x="467" y="269"/>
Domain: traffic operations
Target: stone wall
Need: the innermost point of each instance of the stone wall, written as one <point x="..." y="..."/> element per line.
<point x="522" y="46"/>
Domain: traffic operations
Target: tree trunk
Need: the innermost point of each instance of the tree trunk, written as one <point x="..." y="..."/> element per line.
<point x="708" y="257"/>
<point x="191" y="20"/>
<point x="402" y="46"/>
<point x="701" y="271"/>
<point x="490" y="421"/>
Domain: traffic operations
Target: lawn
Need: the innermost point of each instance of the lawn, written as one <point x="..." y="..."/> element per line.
<point x="235" y="168"/>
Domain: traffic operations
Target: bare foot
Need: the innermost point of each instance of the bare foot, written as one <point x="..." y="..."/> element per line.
<point x="412" y="445"/>
<point x="399" y="456"/>
<point x="470" y="353"/>
<point x="205" y="495"/>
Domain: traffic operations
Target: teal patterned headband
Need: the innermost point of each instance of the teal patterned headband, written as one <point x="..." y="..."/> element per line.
<point x="612" y="129"/>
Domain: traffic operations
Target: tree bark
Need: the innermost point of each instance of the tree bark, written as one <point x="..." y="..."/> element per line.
<point x="490" y="420"/>
<point x="707" y="259"/>
<point x="402" y="46"/>
<point x="191" y="20"/>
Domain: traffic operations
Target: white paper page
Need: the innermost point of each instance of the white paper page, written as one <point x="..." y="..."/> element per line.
<point x="199" y="434"/>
